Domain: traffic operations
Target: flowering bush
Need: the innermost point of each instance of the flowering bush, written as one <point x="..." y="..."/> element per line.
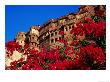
<point x="90" y="28"/>
<point x="87" y="57"/>
<point x="86" y="51"/>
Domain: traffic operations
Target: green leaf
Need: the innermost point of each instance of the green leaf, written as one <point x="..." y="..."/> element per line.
<point x="61" y="50"/>
<point x="84" y="43"/>
<point x="24" y="62"/>
<point x="18" y="65"/>
<point x="101" y="41"/>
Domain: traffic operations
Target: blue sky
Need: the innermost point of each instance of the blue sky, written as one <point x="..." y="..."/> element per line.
<point x="19" y="18"/>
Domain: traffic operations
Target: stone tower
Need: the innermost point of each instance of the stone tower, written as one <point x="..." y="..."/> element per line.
<point x="33" y="37"/>
<point x="20" y="38"/>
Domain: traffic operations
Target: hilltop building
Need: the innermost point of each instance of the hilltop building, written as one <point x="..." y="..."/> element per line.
<point x="47" y="35"/>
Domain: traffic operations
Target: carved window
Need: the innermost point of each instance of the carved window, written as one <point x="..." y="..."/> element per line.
<point x="21" y="41"/>
<point x="47" y="37"/>
<point x="52" y="40"/>
<point x="66" y="29"/>
<point x="51" y="34"/>
<point x="56" y="39"/>
<point x="32" y="37"/>
<point x="62" y="28"/>
<point x="55" y="33"/>
<point x="69" y="27"/>
<point x="59" y="38"/>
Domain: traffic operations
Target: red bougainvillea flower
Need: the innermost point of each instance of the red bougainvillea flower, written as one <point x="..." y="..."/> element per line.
<point x="74" y="43"/>
<point x="33" y="52"/>
<point x="95" y="53"/>
<point x="90" y="28"/>
<point x="11" y="46"/>
<point x="61" y="32"/>
<point x="78" y="30"/>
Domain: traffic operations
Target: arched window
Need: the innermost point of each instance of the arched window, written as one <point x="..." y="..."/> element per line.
<point x="55" y="33"/>
<point x="69" y="27"/>
<point x="56" y="39"/>
<point x="52" y="40"/>
<point x="59" y="38"/>
<point x="66" y="29"/>
<point x="51" y="34"/>
<point x="32" y="37"/>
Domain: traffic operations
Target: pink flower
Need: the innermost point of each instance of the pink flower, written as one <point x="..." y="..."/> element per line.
<point x="61" y="32"/>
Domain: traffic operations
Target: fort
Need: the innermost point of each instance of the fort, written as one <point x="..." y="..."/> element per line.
<point x="47" y="35"/>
